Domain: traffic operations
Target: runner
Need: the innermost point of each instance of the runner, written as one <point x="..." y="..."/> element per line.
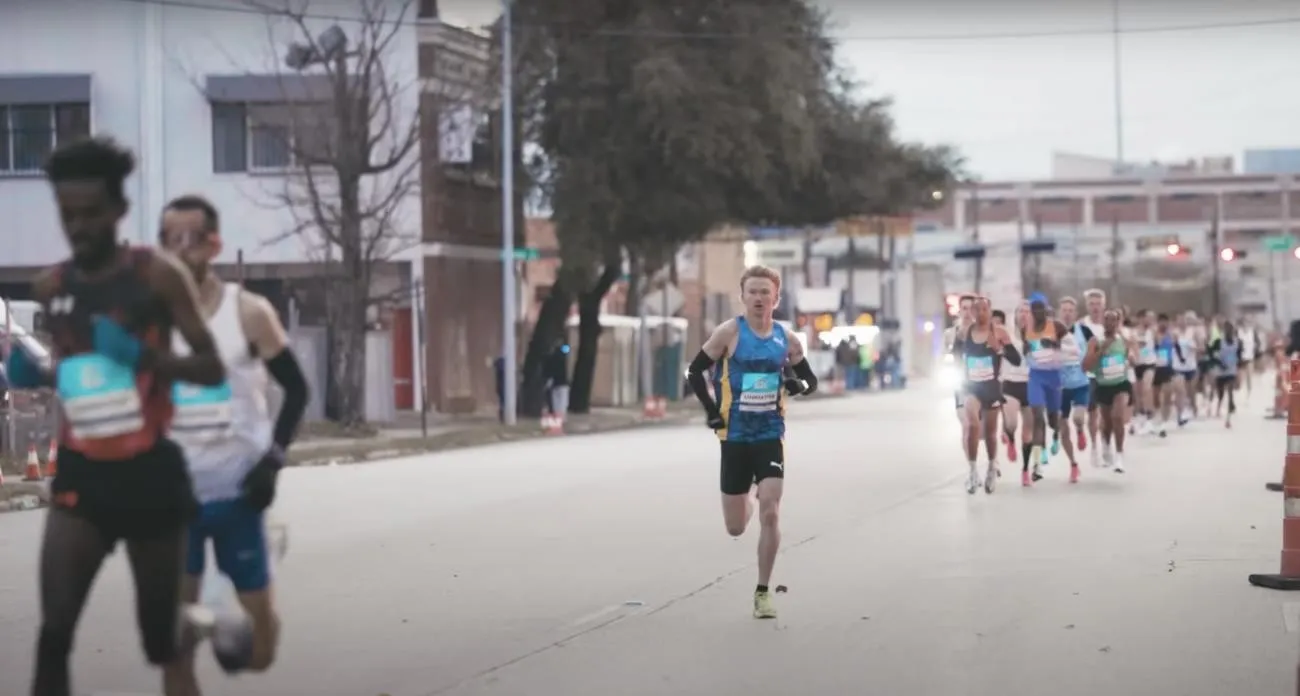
<point x="1143" y="333"/>
<point x="1095" y="302"/>
<point x="233" y="447"/>
<point x="981" y="350"/>
<point x="1248" y="335"/>
<point x="110" y="311"/>
<point x="1015" y="398"/>
<point x="1185" y="370"/>
<point x="950" y="336"/>
<point x="1075" y="390"/>
<point x="750" y="420"/>
<point x="1043" y="338"/>
<point x="1163" y="378"/>
<point x="1226" y="352"/>
<point x="1108" y="357"/>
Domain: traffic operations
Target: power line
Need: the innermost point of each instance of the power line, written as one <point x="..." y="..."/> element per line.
<point x="768" y="36"/>
<point x="973" y="36"/>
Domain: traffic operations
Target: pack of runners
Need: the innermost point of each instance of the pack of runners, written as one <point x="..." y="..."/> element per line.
<point x="1084" y="378"/>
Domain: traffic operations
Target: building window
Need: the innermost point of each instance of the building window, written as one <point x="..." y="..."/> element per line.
<point x="270" y="137"/>
<point x="30" y="132"/>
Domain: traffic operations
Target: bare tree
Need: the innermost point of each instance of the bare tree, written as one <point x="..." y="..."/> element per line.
<point x="349" y="125"/>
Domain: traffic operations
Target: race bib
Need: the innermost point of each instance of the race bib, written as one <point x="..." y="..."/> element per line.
<point x="979" y="369"/>
<point x="1146" y="353"/>
<point x="99" y="396"/>
<point x="1162" y="357"/>
<point x="760" y="391"/>
<point x="202" y="414"/>
<point x="1040" y="354"/>
<point x="1113" y="367"/>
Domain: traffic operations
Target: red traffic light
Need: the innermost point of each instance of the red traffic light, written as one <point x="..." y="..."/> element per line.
<point x="1228" y="254"/>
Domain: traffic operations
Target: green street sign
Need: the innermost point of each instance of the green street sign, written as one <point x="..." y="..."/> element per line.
<point x="1281" y="242"/>
<point x="527" y="253"/>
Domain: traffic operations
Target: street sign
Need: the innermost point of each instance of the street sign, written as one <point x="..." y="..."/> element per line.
<point x="527" y="253"/>
<point x="1279" y="242"/>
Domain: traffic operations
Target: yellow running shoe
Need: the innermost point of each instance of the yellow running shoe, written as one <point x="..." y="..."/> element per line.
<point x="763" y="608"/>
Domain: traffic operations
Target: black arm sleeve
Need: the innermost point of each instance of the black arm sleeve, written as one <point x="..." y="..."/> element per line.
<point x="1178" y="349"/>
<point x="695" y="376"/>
<point x="1011" y="355"/>
<point x="288" y="374"/>
<point x="804" y="371"/>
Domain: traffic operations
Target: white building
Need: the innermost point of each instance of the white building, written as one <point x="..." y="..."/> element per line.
<point x="197" y="90"/>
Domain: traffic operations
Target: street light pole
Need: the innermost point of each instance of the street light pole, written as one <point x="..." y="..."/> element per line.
<point x="510" y="378"/>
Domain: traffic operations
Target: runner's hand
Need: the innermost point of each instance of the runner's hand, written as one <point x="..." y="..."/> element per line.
<point x="716" y="422"/>
<point x="259" y="484"/>
<point x="795" y="386"/>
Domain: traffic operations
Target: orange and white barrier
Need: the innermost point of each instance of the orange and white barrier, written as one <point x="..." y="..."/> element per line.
<point x="33" y="469"/>
<point x="1288" y="577"/>
<point x="52" y="461"/>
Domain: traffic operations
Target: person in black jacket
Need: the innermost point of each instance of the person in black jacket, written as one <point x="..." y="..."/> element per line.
<point x="557" y="380"/>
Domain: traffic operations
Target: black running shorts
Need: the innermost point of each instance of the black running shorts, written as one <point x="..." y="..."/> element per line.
<point x="747" y="463"/>
<point x="988" y="393"/>
<point x="146" y="496"/>
<point x="1106" y="393"/>
<point x="1016" y="390"/>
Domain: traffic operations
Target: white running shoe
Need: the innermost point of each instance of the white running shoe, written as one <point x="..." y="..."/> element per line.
<point x="1119" y="463"/>
<point x="973" y="481"/>
<point x="991" y="478"/>
<point x="1107" y="456"/>
<point x="1095" y="457"/>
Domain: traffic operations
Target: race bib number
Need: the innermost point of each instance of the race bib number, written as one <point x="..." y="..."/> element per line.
<point x="979" y="369"/>
<point x="202" y="414"/>
<point x="1146" y="353"/>
<point x="1113" y="367"/>
<point x="1040" y="354"/>
<point x="1162" y="357"/>
<point x="760" y="391"/>
<point x="99" y="396"/>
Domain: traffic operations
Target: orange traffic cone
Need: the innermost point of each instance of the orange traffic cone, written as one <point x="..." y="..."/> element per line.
<point x="52" y="462"/>
<point x="33" y="471"/>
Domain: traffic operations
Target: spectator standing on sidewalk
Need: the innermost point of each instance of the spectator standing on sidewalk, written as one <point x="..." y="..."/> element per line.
<point x="866" y="364"/>
<point x="557" y="380"/>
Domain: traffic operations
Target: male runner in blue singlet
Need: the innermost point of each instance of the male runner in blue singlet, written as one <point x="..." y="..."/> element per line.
<point x="749" y="414"/>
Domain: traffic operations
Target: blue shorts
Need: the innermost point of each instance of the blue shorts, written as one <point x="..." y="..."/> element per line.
<point x="1045" y="389"/>
<point x="238" y="537"/>
<point x="1075" y="396"/>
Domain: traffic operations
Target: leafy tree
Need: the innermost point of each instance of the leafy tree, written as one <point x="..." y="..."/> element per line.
<point x="659" y="120"/>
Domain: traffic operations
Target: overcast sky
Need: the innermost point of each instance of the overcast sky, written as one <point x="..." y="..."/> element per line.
<point x="1009" y="101"/>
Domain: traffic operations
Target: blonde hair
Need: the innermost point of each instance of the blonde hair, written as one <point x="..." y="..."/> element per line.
<point x="764" y="272"/>
<point x="1094" y="292"/>
<point x="1070" y="300"/>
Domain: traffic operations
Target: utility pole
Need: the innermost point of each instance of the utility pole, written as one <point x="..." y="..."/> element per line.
<point x="1117" y="39"/>
<point x="975" y="235"/>
<point x="1114" y="261"/>
<point x="1217" y="260"/>
<point x="509" y="353"/>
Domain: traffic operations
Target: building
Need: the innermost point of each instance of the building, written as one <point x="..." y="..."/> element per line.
<point x="1105" y="227"/>
<point x="1272" y="161"/>
<point x="202" y="93"/>
<point x="461" y="240"/>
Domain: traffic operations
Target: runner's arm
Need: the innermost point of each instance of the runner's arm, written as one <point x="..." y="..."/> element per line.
<point x="1093" y="355"/>
<point x="178" y="291"/>
<point x="270" y="342"/>
<point x="713" y="350"/>
<point x="1009" y="352"/>
<point x="799" y="363"/>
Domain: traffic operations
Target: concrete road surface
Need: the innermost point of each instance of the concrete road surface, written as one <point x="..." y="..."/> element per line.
<point x="599" y="566"/>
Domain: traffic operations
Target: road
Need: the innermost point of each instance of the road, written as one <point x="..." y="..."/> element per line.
<point x="599" y="565"/>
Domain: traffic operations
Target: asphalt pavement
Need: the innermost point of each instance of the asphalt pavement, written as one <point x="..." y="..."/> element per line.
<point x="599" y="565"/>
